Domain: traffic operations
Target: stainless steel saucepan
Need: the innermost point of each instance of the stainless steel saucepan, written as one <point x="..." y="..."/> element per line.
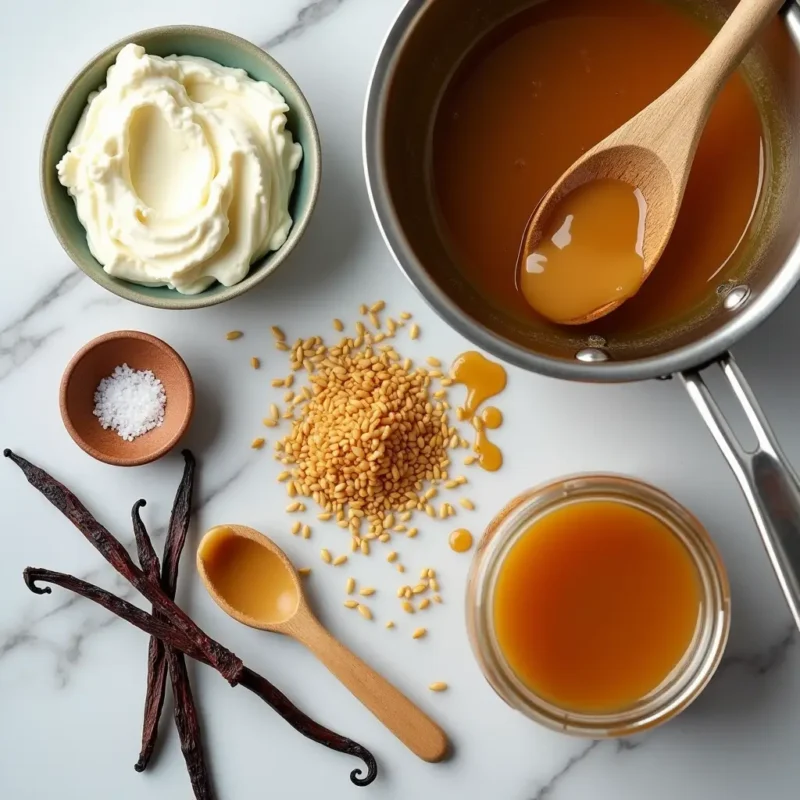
<point x="423" y="47"/>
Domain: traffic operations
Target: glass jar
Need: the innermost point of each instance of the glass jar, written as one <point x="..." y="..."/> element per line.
<point x="689" y="676"/>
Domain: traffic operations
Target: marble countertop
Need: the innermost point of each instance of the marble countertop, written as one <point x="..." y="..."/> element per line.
<point x="72" y="677"/>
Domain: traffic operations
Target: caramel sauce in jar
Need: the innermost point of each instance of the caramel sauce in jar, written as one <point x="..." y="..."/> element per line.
<point x="597" y="605"/>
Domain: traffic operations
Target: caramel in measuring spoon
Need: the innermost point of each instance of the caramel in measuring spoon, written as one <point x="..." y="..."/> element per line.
<point x="590" y="255"/>
<point x="250" y="577"/>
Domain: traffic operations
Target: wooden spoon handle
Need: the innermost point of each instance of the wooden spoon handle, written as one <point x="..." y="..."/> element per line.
<point x="731" y="44"/>
<point x="672" y="124"/>
<point x="407" y="722"/>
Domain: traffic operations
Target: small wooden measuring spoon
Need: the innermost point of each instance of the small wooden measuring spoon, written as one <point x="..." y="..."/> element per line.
<point x="232" y="559"/>
<point x="654" y="151"/>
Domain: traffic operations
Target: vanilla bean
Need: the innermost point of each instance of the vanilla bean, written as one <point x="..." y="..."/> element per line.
<point x="161" y="656"/>
<point x="308" y="727"/>
<point x="156" y="654"/>
<point x="170" y="634"/>
<point x="178" y="527"/>
<point x="168" y="579"/>
<point x="164" y="629"/>
<point x="229" y="666"/>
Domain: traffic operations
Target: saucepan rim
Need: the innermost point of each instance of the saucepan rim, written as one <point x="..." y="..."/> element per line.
<point x="696" y="353"/>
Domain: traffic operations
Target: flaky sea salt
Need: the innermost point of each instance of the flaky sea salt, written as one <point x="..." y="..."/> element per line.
<point x="130" y="402"/>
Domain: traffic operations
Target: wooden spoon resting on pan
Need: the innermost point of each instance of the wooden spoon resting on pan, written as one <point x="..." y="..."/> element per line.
<point x="599" y="232"/>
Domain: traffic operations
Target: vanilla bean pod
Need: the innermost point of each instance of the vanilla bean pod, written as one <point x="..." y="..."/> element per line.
<point x="229" y="665"/>
<point x="172" y="635"/>
<point x="161" y="657"/>
<point x="176" y="629"/>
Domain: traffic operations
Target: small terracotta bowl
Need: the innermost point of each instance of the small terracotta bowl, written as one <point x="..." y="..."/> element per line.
<point x="97" y="360"/>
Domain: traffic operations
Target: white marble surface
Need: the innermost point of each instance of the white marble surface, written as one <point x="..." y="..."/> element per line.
<point x="72" y="678"/>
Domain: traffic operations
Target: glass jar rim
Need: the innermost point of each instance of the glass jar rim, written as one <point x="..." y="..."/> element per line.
<point x="691" y="674"/>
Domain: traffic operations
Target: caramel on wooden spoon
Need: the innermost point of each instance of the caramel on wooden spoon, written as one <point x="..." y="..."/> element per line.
<point x="253" y="581"/>
<point x="636" y="177"/>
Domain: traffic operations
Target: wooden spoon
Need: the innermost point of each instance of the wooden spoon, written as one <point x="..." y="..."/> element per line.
<point x="653" y="152"/>
<point x="283" y="608"/>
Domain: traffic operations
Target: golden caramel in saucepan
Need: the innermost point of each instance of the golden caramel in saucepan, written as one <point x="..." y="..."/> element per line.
<point x="543" y="88"/>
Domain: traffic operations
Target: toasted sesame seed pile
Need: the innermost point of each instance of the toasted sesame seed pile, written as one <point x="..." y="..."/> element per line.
<point x="369" y="437"/>
<point x="368" y="431"/>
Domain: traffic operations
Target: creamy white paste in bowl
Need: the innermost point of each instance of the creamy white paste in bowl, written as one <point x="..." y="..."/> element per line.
<point x="182" y="171"/>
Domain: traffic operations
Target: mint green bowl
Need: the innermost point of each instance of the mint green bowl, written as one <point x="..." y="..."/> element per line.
<point x="225" y="49"/>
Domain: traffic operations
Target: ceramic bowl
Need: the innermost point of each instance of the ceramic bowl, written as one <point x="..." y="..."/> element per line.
<point x="225" y="49"/>
<point x="97" y="360"/>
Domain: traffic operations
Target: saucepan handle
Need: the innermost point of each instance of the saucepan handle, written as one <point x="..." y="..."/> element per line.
<point x="768" y="481"/>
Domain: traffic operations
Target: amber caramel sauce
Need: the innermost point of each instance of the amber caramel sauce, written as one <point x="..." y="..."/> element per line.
<point x="544" y="87"/>
<point x="483" y="379"/>
<point x="490" y="456"/>
<point x="460" y="540"/>
<point x="492" y="417"/>
<point x="250" y="578"/>
<point x="590" y="255"/>
<point x="595" y="605"/>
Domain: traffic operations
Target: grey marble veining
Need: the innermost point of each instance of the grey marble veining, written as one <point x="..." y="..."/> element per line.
<point x="19" y="338"/>
<point x="311" y="14"/>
